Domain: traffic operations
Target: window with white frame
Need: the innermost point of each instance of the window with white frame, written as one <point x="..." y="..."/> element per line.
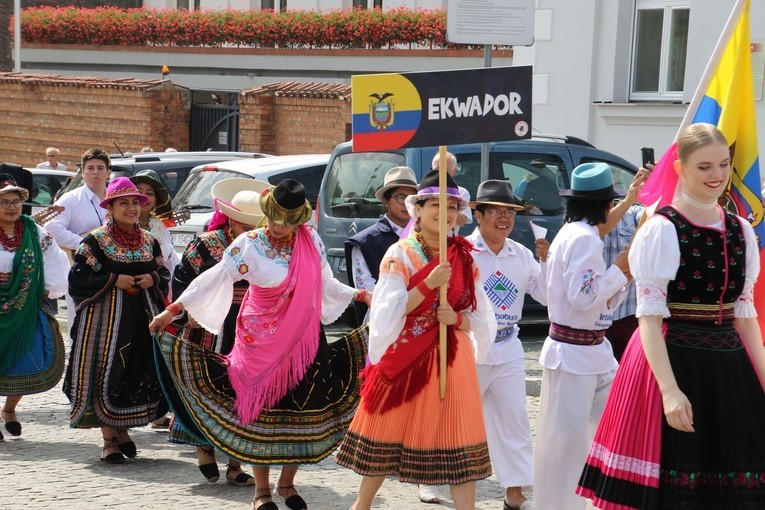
<point x="659" y="46"/>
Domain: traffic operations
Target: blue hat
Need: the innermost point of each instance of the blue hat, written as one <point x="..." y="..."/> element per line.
<point x="592" y="181"/>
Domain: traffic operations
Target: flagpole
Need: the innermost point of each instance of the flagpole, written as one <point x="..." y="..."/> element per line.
<point x="441" y="259"/>
<point x="714" y="60"/>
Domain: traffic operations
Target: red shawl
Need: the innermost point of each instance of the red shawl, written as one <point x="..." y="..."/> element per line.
<point x="406" y="366"/>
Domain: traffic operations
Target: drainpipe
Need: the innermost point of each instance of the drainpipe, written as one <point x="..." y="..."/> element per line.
<point x="17" y="36"/>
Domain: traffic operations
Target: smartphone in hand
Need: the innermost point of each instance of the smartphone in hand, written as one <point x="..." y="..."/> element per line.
<point x="648" y="156"/>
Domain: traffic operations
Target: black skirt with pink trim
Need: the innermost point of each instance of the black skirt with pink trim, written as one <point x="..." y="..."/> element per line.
<point x="637" y="461"/>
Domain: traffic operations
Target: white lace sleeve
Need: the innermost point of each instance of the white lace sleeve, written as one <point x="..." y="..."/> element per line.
<point x="654" y="260"/>
<point x="744" y="305"/>
<point x="652" y="297"/>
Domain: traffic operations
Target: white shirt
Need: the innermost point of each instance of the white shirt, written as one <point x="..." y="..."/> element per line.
<point x="388" y="312"/>
<point x="45" y="165"/>
<point x="208" y="297"/>
<point x="655" y="259"/>
<point x="162" y="235"/>
<point x="82" y="214"/>
<point x="582" y="293"/>
<point x="362" y="276"/>
<point x="507" y="276"/>
<point x="55" y="264"/>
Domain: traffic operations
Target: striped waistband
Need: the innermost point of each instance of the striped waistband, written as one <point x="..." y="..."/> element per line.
<point x="567" y="335"/>
<point x="695" y="312"/>
<point x="238" y="295"/>
<point x="5" y="278"/>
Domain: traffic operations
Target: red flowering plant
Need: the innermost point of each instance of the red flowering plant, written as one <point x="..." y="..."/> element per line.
<point x="349" y="28"/>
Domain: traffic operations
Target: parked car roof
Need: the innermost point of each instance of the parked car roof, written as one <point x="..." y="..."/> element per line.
<point x="195" y="195"/>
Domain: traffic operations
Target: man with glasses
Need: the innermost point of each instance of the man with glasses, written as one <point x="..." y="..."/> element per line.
<point x="464" y="217"/>
<point x="365" y="250"/>
<point x="82" y="211"/>
<point x="52" y="154"/>
<point x="509" y="271"/>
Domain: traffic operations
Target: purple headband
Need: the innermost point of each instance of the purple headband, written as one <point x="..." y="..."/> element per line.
<point x="434" y="190"/>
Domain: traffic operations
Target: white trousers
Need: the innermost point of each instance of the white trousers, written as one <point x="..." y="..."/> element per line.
<point x="570" y="406"/>
<point x="503" y="397"/>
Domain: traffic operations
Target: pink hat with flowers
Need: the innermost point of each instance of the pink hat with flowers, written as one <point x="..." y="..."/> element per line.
<point x="122" y="187"/>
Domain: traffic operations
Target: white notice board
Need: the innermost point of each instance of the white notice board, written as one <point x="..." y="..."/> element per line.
<point x="495" y="22"/>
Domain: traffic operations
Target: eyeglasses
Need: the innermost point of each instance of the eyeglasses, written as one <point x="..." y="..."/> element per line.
<point x="500" y="213"/>
<point x="6" y="204"/>
<point x="399" y="197"/>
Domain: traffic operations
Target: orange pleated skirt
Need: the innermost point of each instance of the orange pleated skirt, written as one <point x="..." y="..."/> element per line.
<point x="427" y="440"/>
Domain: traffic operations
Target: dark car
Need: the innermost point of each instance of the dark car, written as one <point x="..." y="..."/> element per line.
<point x="537" y="169"/>
<point x="172" y="167"/>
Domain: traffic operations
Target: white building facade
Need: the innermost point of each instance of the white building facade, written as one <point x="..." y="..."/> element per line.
<point x="618" y="73"/>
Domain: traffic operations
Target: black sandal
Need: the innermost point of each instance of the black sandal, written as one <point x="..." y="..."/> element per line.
<point x="114" y="457"/>
<point x="13" y="427"/>
<point x="265" y="506"/>
<point x="240" y="480"/>
<point x="209" y="470"/>
<point x="294" y="502"/>
<point x="128" y="449"/>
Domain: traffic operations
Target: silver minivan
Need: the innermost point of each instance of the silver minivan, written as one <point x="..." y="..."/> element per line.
<point x="195" y="194"/>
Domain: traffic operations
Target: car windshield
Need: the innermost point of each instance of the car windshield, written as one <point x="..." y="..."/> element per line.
<point x="196" y="192"/>
<point x="353" y="181"/>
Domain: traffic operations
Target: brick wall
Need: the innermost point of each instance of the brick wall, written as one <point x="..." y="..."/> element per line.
<point x="294" y="118"/>
<point x="77" y="113"/>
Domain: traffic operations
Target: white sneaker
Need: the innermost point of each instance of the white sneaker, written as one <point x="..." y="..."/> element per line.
<point x="429" y="494"/>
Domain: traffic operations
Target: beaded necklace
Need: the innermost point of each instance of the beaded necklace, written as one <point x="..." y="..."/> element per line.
<point x="12" y="243"/>
<point x="429" y="252"/>
<point x="132" y="238"/>
<point x="283" y="247"/>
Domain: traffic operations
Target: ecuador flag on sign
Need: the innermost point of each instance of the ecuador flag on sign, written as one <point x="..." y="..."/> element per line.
<point x="387" y="112"/>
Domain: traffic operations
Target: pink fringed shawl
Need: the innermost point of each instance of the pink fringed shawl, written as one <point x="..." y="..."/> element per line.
<point x="277" y="333"/>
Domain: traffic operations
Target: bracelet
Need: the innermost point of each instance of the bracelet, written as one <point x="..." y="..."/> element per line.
<point x="360" y="295"/>
<point x="173" y="308"/>
<point x="423" y="288"/>
<point x="459" y="321"/>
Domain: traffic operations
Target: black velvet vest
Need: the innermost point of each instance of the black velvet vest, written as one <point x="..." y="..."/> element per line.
<point x="712" y="269"/>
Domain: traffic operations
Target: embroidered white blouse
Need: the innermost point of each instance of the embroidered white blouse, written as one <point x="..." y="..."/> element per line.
<point x="162" y="234"/>
<point x="208" y="298"/>
<point x="388" y="312"/>
<point x="655" y="259"/>
<point x="582" y="293"/>
<point x="55" y="264"/>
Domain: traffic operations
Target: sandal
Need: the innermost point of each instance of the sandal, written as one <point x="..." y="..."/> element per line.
<point x="12" y="426"/>
<point x="127" y="448"/>
<point x="294" y="502"/>
<point x="114" y="457"/>
<point x="269" y="505"/>
<point x="526" y="505"/>
<point x="241" y="479"/>
<point x="429" y="494"/>
<point x="209" y="470"/>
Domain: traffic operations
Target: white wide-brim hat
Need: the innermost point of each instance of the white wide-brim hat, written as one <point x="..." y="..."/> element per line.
<point x="239" y="199"/>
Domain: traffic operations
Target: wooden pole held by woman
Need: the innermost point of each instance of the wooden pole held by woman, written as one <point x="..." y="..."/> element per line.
<point x="441" y="259"/>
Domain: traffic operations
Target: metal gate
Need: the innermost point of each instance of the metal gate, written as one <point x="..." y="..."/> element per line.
<point x="215" y="125"/>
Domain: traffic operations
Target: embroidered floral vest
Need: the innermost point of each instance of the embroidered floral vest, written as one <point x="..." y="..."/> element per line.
<point x="712" y="269"/>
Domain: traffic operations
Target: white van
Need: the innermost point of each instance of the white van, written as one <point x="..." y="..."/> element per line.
<point x="195" y="194"/>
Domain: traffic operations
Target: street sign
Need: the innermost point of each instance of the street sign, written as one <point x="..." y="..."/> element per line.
<point x="392" y="111"/>
<point x="498" y="22"/>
